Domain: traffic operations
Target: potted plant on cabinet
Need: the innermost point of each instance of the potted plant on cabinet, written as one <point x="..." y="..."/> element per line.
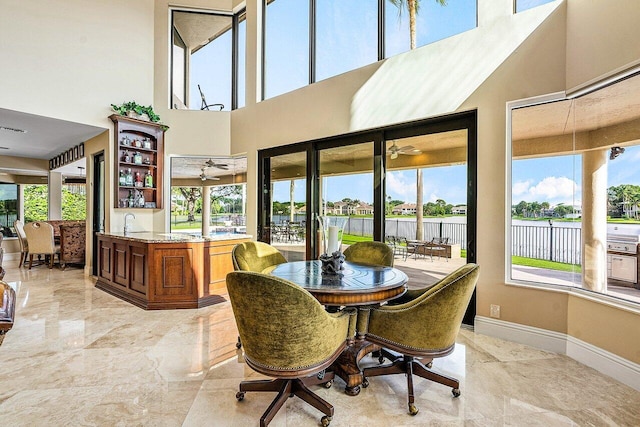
<point x="135" y="110"/>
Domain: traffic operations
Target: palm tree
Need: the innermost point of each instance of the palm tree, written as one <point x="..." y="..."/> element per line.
<point x="412" y="7"/>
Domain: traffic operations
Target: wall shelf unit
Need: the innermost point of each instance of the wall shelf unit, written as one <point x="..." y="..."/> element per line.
<point x="138" y="160"/>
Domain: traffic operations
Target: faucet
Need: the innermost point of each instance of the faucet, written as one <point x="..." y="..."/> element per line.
<point x="127" y="228"/>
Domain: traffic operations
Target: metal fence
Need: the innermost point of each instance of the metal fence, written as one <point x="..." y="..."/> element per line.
<point x="553" y="243"/>
<point x="560" y="244"/>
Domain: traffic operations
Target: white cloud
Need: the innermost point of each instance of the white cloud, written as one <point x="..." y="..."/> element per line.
<point x="551" y="189"/>
<point x="520" y="188"/>
<point x="399" y="187"/>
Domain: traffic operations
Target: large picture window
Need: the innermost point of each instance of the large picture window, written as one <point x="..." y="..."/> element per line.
<point x="204" y="46"/>
<point x="575" y="196"/>
<point x="309" y="41"/>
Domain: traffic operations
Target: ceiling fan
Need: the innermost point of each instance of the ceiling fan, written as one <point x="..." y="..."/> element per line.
<point x="212" y="164"/>
<point x="204" y="177"/>
<point x="410" y="150"/>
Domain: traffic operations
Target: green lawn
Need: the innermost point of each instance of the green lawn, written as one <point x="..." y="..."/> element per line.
<point x="550" y="265"/>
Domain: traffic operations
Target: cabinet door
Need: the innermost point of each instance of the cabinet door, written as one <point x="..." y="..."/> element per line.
<point x="121" y="264"/>
<point x="218" y="264"/>
<point x="173" y="273"/>
<point x="139" y="269"/>
<point x="105" y="254"/>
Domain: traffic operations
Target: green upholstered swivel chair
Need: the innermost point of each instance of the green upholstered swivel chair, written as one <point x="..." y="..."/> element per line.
<point x="425" y="327"/>
<point x="371" y="253"/>
<point x="255" y="256"/>
<point x="287" y="335"/>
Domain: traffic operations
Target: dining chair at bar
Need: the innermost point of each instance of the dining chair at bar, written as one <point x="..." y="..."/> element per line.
<point x="286" y="335"/>
<point x="22" y="239"/>
<point x="370" y="253"/>
<point x="424" y="327"/>
<point x="41" y="241"/>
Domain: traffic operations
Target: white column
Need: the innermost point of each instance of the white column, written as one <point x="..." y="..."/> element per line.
<point x="594" y="220"/>
<point x="55" y="195"/>
<point x="206" y="210"/>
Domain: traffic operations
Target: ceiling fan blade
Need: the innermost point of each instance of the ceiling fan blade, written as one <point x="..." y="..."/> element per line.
<point x="409" y="150"/>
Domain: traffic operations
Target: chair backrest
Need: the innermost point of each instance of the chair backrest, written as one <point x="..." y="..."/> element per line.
<point x="281" y="325"/>
<point x="40" y="237"/>
<point x="22" y="237"/>
<point x="431" y="321"/>
<point x="371" y="253"/>
<point x="255" y="256"/>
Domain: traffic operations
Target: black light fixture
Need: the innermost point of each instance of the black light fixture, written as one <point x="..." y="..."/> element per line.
<point x="615" y="152"/>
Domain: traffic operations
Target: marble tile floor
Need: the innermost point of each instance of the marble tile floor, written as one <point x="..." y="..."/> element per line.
<point x="80" y="357"/>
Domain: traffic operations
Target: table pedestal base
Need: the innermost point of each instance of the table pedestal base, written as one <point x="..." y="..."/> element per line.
<point x="346" y="366"/>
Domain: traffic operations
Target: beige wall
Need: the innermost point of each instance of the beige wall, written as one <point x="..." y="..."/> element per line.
<point x="601" y="39"/>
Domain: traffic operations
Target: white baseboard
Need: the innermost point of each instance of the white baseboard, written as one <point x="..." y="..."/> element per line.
<point x="610" y="364"/>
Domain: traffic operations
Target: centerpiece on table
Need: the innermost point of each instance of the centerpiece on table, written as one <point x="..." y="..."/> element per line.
<point x="332" y="231"/>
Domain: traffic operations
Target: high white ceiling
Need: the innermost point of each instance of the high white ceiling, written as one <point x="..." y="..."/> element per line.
<point x="43" y="138"/>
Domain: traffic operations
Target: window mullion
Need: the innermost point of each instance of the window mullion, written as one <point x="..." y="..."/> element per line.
<point x="312" y="41"/>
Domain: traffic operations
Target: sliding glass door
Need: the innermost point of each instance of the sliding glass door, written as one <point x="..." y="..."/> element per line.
<point x="402" y="183"/>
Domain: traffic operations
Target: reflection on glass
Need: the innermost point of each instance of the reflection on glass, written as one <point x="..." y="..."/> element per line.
<point x="346" y="36"/>
<point x="433" y="22"/>
<point x="426" y="205"/>
<point x="286" y="24"/>
<point x="575" y="197"/>
<point x="201" y="69"/>
<point x="288" y="228"/>
<point x="346" y="187"/>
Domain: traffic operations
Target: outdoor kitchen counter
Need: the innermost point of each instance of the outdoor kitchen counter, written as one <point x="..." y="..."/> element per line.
<point x="160" y="271"/>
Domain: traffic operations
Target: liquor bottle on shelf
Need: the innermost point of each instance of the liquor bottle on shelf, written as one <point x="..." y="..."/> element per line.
<point x="146" y="161"/>
<point x="146" y="143"/>
<point x="126" y="157"/>
<point x="140" y="199"/>
<point x="138" y="181"/>
<point x="131" y="199"/>
<point x="129" y="177"/>
<point x="148" y="180"/>
<point x="137" y="158"/>
<point x="122" y="179"/>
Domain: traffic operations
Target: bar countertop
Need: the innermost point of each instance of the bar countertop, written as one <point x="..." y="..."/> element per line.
<point x="154" y="237"/>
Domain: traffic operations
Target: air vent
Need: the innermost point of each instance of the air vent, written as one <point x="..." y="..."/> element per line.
<point x="13" y="129"/>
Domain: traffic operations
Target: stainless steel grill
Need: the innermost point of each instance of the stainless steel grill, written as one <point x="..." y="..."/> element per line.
<point x="622" y="257"/>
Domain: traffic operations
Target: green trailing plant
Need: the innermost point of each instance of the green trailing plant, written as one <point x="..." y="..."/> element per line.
<point x="123" y="110"/>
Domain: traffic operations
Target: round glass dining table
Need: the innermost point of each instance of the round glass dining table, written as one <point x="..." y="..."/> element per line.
<point x="356" y="285"/>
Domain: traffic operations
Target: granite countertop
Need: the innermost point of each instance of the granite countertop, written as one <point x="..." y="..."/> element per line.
<point x="154" y="237"/>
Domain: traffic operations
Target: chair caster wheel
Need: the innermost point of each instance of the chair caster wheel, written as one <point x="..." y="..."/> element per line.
<point x="328" y="384"/>
<point x="238" y="344"/>
<point x="326" y="420"/>
<point x="365" y="383"/>
<point x="456" y="392"/>
<point x="240" y="396"/>
<point x="381" y="359"/>
<point x="429" y="365"/>
<point x="413" y="410"/>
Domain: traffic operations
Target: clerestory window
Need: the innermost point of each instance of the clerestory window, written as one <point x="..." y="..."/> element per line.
<point x="207" y="60"/>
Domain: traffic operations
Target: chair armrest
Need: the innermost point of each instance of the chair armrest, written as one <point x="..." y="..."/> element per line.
<point x="352" y="315"/>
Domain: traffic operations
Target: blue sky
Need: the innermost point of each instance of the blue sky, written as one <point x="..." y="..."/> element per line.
<point x="554" y="179"/>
